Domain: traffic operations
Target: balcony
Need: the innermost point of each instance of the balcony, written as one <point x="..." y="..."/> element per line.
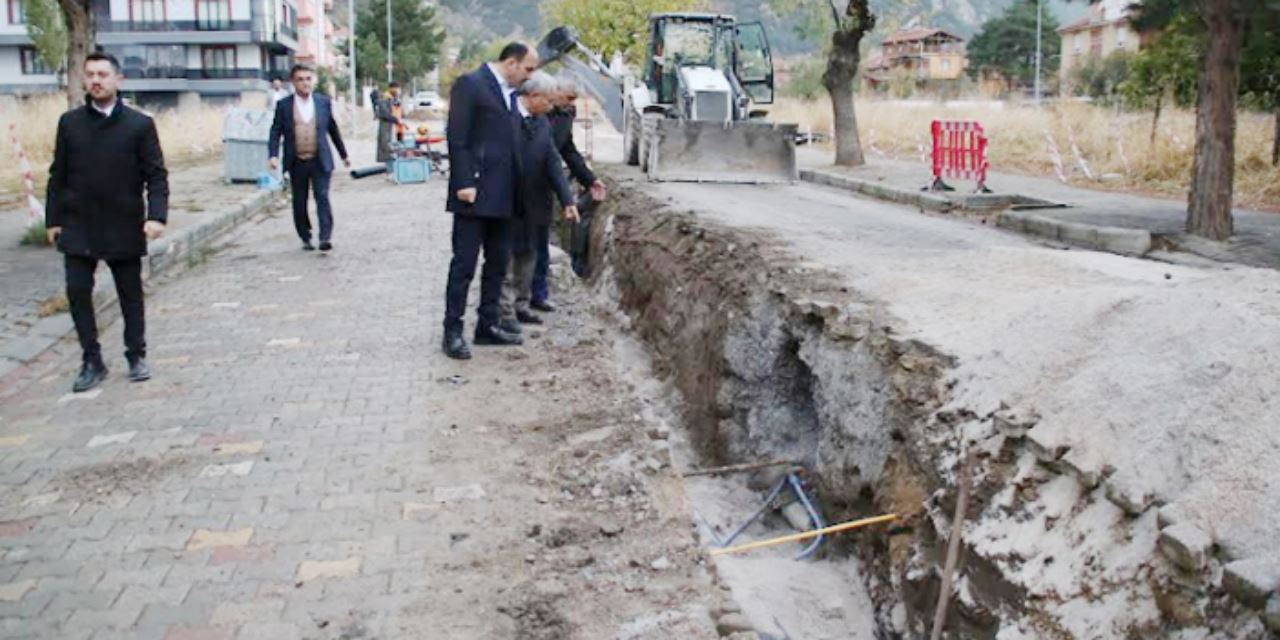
<point x="225" y="74"/>
<point x="173" y="26"/>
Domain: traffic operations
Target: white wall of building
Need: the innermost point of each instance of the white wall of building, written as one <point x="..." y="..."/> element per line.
<point x="11" y="70"/>
<point x="249" y="56"/>
<point x="119" y="10"/>
<point x="241" y="10"/>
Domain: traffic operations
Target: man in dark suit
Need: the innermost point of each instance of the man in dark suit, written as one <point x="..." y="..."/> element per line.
<point x="305" y="121"/>
<point x="562" y="118"/>
<point x="484" y="154"/>
<point x="104" y="156"/>
<point x="542" y="180"/>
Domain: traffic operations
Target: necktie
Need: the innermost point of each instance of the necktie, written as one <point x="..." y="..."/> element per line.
<point x="515" y="104"/>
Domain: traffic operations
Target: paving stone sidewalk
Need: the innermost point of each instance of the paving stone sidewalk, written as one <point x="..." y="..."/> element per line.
<point x="31" y="277"/>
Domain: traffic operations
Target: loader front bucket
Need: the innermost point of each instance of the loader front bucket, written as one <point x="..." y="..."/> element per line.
<point x="746" y="152"/>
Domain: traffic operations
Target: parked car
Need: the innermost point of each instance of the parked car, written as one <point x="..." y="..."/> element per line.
<point x="427" y="100"/>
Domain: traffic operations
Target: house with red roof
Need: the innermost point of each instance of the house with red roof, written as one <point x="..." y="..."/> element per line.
<point x="922" y="53"/>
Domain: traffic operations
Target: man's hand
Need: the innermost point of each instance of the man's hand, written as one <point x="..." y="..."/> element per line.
<point x="467" y="195"/>
<point x="153" y="229"/>
<point x="598" y="191"/>
<point x="571" y="213"/>
<point x="274" y="163"/>
<point x="346" y="162"/>
<point x="52" y="234"/>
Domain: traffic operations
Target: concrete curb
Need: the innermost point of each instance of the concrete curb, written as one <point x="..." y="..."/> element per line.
<point x="162" y="255"/>
<point x="1127" y="242"/>
<point x="922" y="199"/>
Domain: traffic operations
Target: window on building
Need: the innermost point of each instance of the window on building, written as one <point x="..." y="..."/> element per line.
<point x="946" y="64"/>
<point x="16" y="14"/>
<point x="151" y="61"/>
<point x="1120" y="38"/>
<point x="218" y="61"/>
<point x="147" y="11"/>
<point x="32" y="65"/>
<point x="213" y="14"/>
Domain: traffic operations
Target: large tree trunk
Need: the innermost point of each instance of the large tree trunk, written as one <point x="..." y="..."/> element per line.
<point x="79" y="18"/>
<point x="1275" y="142"/>
<point x="842" y="68"/>
<point x="1155" y="118"/>
<point x="1213" y="170"/>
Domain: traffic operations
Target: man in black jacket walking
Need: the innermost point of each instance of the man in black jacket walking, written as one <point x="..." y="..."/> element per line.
<point x="105" y="156"/>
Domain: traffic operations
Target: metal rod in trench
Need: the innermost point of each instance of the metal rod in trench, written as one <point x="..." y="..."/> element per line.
<point x="953" y="547"/>
<point x="795" y="537"/>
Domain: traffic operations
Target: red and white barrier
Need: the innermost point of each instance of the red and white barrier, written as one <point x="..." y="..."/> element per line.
<point x="35" y="211"/>
<point x="1056" y="158"/>
<point x="959" y="151"/>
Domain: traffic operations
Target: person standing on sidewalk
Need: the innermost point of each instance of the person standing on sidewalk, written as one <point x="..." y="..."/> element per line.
<point x="390" y="115"/>
<point x="484" y="141"/>
<point x="305" y="121"/>
<point x="105" y="155"/>
<point x="541" y="182"/>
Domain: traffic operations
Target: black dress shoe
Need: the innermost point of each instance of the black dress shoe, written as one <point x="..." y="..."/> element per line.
<point x="139" y="371"/>
<point x="511" y="326"/>
<point x="91" y="375"/>
<point x="307" y="246"/>
<point x="455" y="347"/>
<point x="543" y="306"/>
<point x="326" y="245"/>
<point x="497" y="336"/>
<point x="526" y="317"/>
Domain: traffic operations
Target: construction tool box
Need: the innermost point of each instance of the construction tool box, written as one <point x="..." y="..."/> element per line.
<point x="410" y="170"/>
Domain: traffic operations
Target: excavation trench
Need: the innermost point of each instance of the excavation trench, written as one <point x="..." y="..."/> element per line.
<point x="773" y="361"/>
<point x="765" y="356"/>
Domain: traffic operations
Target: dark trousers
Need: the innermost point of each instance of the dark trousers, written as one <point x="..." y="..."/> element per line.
<point x="128" y="277"/>
<point x="306" y="174"/>
<point x="542" y="240"/>
<point x="470" y="235"/>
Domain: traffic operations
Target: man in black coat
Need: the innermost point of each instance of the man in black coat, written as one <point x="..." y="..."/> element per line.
<point x="541" y="181"/>
<point x="106" y="154"/>
<point x="484" y="154"/>
<point x="305" y="122"/>
<point x="562" y="118"/>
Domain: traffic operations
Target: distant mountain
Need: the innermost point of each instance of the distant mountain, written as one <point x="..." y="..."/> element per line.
<point x="488" y="19"/>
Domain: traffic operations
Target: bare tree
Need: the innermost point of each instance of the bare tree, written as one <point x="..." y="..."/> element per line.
<point x="78" y="15"/>
<point x="842" y="68"/>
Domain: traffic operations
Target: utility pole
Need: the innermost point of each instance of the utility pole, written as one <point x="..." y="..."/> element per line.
<point x="351" y="51"/>
<point x="1039" y="27"/>
<point x="390" y="55"/>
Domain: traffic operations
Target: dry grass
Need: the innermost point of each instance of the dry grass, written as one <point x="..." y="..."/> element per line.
<point x="185" y="136"/>
<point x="1115" y="145"/>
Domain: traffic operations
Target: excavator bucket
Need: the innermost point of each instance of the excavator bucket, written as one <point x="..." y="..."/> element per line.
<point x="744" y="152"/>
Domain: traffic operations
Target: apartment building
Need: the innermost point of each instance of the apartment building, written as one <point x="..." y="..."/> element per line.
<point x="172" y="51"/>
<point x="1104" y="30"/>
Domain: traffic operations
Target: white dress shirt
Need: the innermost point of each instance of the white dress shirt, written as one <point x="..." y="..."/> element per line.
<point x="306" y="107"/>
<point x="106" y="111"/>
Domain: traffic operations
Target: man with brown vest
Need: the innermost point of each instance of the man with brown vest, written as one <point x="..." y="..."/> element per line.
<point x="305" y="122"/>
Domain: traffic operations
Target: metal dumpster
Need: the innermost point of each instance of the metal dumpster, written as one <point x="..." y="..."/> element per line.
<point x="244" y="144"/>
